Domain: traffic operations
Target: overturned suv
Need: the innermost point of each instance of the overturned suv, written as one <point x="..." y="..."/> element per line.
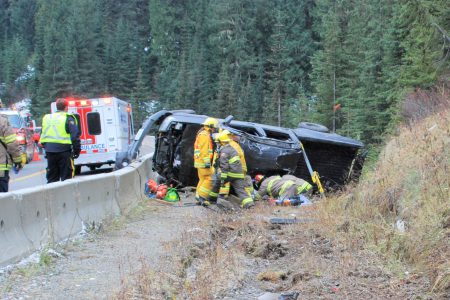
<point x="268" y="149"/>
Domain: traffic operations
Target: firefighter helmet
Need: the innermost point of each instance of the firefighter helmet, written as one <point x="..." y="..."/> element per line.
<point x="224" y="136"/>
<point x="211" y="122"/>
<point x="259" y="178"/>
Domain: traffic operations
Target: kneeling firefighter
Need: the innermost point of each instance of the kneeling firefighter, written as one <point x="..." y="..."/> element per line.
<point x="225" y="190"/>
<point x="204" y="148"/>
<point x="231" y="170"/>
<point x="282" y="188"/>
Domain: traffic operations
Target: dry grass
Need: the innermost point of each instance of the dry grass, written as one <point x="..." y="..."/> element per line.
<point x="409" y="187"/>
<point x="271" y="275"/>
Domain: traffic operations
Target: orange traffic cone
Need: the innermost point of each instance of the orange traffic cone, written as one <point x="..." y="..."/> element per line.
<point x="36" y="155"/>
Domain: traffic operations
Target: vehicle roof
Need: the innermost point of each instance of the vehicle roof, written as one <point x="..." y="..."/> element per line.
<point x="185" y="116"/>
<point x="325" y="137"/>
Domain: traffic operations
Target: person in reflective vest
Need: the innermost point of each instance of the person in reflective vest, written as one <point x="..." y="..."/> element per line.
<point x="61" y="140"/>
<point x="286" y="187"/>
<point x="10" y="154"/>
<point x="203" y="161"/>
<point x="231" y="170"/>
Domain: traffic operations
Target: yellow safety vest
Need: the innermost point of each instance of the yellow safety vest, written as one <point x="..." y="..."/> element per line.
<point x="54" y="129"/>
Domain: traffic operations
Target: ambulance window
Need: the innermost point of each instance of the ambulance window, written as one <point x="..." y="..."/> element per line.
<point x="93" y="121"/>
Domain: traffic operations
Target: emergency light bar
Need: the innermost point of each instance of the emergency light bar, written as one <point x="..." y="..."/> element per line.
<point x="73" y="103"/>
<point x="88" y="102"/>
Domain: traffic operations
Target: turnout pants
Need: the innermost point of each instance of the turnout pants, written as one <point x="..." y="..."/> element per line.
<point x="240" y="188"/>
<point x="205" y="184"/>
<point x="4" y="182"/>
<point x="59" y="166"/>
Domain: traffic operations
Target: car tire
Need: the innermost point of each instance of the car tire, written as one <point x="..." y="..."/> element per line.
<point x="313" y="126"/>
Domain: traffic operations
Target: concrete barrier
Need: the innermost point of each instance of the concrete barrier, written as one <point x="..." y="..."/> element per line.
<point x="96" y="199"/>
<point x="35" y="217"/>
<point x="12" y="237"/>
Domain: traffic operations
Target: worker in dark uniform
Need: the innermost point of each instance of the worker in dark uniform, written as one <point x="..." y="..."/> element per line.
<point x="231" y="170"/>
<point x="61" y="140"/>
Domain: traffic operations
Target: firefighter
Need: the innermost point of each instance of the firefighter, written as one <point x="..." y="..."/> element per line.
<point x="234" y="142"/>
<point x="203" y="160"/>
<point x="61" y="140"/>
<point x="9" y="153"/>
<point x="231" y="170"/>
<point x="282" y="188"/>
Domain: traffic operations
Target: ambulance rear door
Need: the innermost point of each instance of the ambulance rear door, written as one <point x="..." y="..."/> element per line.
<point x="125" y="132"/>
<point x="91" y="121"/>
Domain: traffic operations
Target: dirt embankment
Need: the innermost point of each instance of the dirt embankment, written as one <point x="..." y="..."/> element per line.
<point x="244" y="256"/>
<point x="189" y="252"/>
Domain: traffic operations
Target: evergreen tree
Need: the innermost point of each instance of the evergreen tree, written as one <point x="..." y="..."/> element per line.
<point x="22" y="14"/>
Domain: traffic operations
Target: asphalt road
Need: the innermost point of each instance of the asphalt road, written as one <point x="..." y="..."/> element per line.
<point x="33" y="174"/>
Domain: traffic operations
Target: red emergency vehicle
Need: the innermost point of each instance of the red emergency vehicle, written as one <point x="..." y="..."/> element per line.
<point x="24" y="131"/>
<point x="106" y="127"/>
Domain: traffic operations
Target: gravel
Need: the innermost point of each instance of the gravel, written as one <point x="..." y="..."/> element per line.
<point x="96" y="266"/>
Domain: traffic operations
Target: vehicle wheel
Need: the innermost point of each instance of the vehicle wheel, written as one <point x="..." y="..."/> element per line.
<point x="313" y="126"/>
<point x="77" y="170"/>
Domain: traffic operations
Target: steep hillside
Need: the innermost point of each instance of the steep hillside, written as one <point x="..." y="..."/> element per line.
<point x="387" y="237"/>
<point x="401" y="210"/>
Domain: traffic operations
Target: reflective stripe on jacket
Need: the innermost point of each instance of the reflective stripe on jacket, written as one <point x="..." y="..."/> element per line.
<point x="239" y="150"/>
<point x="286" y="186"/>
<point x="230" y="163"/>
<point x="54" y="129"/>
<point x="9" y="147"/>
<point x="203" y="149"/>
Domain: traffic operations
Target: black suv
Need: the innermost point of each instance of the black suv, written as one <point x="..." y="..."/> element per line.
<point x="268" y="149"/>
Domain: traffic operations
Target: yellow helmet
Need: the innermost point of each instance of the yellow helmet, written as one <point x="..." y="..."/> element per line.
<point x="225" y="132"/>
<point x="224" y="136"/>
<point x="211" y="122"/>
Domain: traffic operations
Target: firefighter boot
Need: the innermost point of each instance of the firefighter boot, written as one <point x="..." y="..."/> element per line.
<point x="247" y="203"/>
<point x="202" y="201"/>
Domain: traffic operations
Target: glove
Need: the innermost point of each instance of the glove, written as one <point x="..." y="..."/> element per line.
<point x="75" y="154"/>
<point x="18" y="166"/>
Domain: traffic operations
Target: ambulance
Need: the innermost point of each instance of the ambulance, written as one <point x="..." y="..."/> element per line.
<point x="106" y="127"/>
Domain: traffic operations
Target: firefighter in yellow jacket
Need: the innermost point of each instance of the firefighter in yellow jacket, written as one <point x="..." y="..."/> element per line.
<point x="203" y="160"/>
<point x="231" y="170"/>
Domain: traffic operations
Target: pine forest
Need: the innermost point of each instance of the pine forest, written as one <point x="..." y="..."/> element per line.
<point x="345" y="64"/>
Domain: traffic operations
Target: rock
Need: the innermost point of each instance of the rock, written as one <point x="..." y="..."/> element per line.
<point x="289" y="296"/>
<point x="269" y="296"/>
